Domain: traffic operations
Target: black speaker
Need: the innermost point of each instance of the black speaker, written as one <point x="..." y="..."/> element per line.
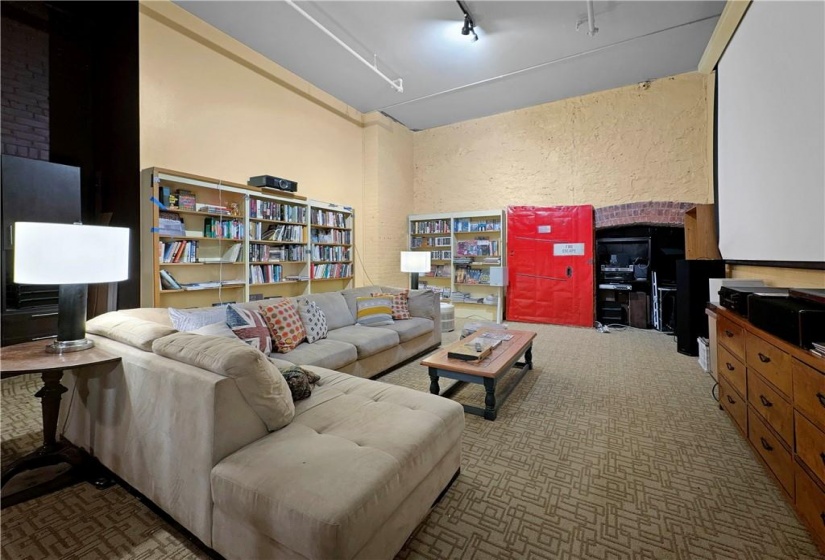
<point x="692" y="296"/>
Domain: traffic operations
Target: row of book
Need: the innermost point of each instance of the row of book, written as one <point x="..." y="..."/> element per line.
<point x="265" y="274"/>
<point x="480" y="247"/>
<point x="223" y="229"/>
<point x="276" y="253"/>
<point x="467" y="275"/>
<point x="439" y="270"/>
<point x="332" y="236"/>
<point x="281" y="232"/>
<point x="331" y="218"/>
<point x="338" y="270"/>
<point x="463" y="225"/>
<point x="268" y="210"/>
<point x="331" y="253"/>
<point x="178" y="251"/>
<point x="430" y="226"/>
<point x="441" y="255"/>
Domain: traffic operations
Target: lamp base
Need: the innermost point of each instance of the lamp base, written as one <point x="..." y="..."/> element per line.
<point x="413" y="280"/>
<point x="66" y="346"/>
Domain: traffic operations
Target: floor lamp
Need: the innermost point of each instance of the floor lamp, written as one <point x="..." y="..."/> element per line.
<point x="71" y="256"/>
<point x="415" y="262"/>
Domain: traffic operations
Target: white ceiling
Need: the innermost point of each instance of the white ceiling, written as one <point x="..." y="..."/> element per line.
<point x="447" y="78"/>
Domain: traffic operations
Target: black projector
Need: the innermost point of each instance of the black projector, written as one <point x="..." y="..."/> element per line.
<point x="273" y="183"/>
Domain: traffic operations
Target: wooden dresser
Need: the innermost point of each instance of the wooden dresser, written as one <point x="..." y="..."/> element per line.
<point x="774" y="392"/>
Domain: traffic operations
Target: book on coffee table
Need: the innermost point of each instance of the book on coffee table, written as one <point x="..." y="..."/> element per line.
<point x="471" y="352"/>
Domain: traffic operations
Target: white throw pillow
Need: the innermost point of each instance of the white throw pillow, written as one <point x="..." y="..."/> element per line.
<point x="314" y="320"/>
<point x="186" y="320"/>
<point x="216" y="329"/>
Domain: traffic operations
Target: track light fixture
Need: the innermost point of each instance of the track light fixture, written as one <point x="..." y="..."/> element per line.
<point x="469" y="25"/>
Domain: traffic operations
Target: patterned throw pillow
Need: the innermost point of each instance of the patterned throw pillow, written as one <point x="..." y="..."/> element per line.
<point x="284" y="324"/>
<point x="186" y="320"/>
<point x="300" y="381"/>
<point x="373" y="311"/>
<point x="250" y="327"/>
<point x="400" y="304"/>
<point x="314" y="320"/>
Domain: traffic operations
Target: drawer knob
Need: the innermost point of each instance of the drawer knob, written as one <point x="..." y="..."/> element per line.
<point x="731" y="368"/>
<point x="763" y="358"/>
<point x="822" y="456"/>
<point x="728" y="333"/>
<point x="821" y="398"/>
<point x="765" y="401"/>
<point x="767" y="446"/>
<point x="822" y="517"/>
<point x="730" y="400"/>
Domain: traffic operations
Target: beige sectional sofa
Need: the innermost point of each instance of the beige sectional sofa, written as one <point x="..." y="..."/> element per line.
<point x="352" y="474"/>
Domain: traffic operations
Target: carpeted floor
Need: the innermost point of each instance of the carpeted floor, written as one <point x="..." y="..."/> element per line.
<point x="611" y="448"/>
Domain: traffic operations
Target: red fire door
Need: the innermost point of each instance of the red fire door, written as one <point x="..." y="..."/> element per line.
<point x="550" y="262"/>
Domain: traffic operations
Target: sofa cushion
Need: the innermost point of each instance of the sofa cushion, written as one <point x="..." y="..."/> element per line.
<point x="326" y="353"/>
<point x="128" y="330"/>
<point x="186" y="320"/>
<point x="259" y="381"/>
<point x="334" y="307"/>
<point x="367" y="340"/>
<point x="373" y="311"/>
<point x="379" y="440"/>
<point x="314" y="320"/>
<point x="412" y="328"/>
<point x="284" y="324"/>
<point x="250" y="327"/>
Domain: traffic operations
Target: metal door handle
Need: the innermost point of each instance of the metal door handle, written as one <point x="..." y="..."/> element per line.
<point x="763" y="358"/>
<point x="43" y="315"/>
<point x="728" y="333"/>
<point x="730" y="400"/>
<point x="765" y="401"/>
<point x="765" y="444"/>
<point x="729" y="366"/>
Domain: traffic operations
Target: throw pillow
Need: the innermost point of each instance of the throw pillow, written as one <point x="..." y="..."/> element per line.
<point x="373" y="311"/>
<point x="400" y="304"/>
<point x="300" y="381"/>
<point x="186" y="320"/>
<point x="259" y="381"/>
<point x="217" y="329"/>
<point x="284" y="324"/>
<point x="128" y="330"/>
<point x="249" y="326"/>
<point x="314" y="320"/>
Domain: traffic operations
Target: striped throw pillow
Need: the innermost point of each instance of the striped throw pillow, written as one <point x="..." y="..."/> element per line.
<point x="373" y="311"/>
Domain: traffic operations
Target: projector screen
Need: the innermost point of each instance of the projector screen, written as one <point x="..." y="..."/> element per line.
<point x="771" y="135"/>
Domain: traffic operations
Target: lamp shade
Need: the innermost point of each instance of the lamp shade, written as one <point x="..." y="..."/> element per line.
<point x="69" y="253"/>
<point x="415" y="261"/>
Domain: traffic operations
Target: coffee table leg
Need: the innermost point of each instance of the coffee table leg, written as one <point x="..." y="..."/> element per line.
<point x="528" y="357"/>
<point x="434" y="382"/>
<point x="490" y="398"/>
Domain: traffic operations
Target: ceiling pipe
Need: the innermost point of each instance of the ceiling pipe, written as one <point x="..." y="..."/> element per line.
<point x="397" y="85"/>
<point x="591" y="19"/>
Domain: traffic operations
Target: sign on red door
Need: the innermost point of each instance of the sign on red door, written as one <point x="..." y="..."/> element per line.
<point x="550" y="264"/>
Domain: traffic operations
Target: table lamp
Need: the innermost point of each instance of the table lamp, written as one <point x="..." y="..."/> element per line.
<point x="415" y="262"/>
<point x="71" y="256"/>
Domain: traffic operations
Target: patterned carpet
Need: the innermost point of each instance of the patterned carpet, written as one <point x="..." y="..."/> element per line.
<point x="612" y="448"/>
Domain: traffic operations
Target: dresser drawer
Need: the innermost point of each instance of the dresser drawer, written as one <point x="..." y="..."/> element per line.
<point x="810" y="446"/>
<point x="809" y="392"/>
<point x="734" y="405"/>
<point x="770" y="361"/>
<point x="767" y="445"/>
<point x="771" y="406"/>
<point x="810" y="503"/>
<point x="732" y="369"/>
<point x="732" y="336"/>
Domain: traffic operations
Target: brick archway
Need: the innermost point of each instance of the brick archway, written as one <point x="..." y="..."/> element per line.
<point x="643" y="213"/>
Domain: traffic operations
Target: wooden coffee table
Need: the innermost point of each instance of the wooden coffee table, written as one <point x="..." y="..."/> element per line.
<point x="487" y="372"/>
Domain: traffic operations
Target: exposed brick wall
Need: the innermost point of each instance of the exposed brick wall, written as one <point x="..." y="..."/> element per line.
<point x="643" y="213"/>
<point x="25" y="90"/>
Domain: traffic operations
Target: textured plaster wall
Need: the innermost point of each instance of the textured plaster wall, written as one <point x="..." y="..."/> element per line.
<point x="388" y="199"/>
<point x="630" y="144"/>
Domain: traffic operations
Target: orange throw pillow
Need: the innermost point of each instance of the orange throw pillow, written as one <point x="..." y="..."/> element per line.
<point x="284" y="324"/>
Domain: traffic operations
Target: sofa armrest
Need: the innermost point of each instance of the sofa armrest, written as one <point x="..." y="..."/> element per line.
<point x="426" y="304"/>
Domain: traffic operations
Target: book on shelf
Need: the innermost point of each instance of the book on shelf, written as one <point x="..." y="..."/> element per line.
<point x="170" y="223"/>
<point x="212" y="209"/>
<point x="168" y="282"/>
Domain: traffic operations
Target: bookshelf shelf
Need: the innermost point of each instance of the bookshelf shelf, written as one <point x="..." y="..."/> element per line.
<point x="459" y="242"/>
<point x="300" y="231"/>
